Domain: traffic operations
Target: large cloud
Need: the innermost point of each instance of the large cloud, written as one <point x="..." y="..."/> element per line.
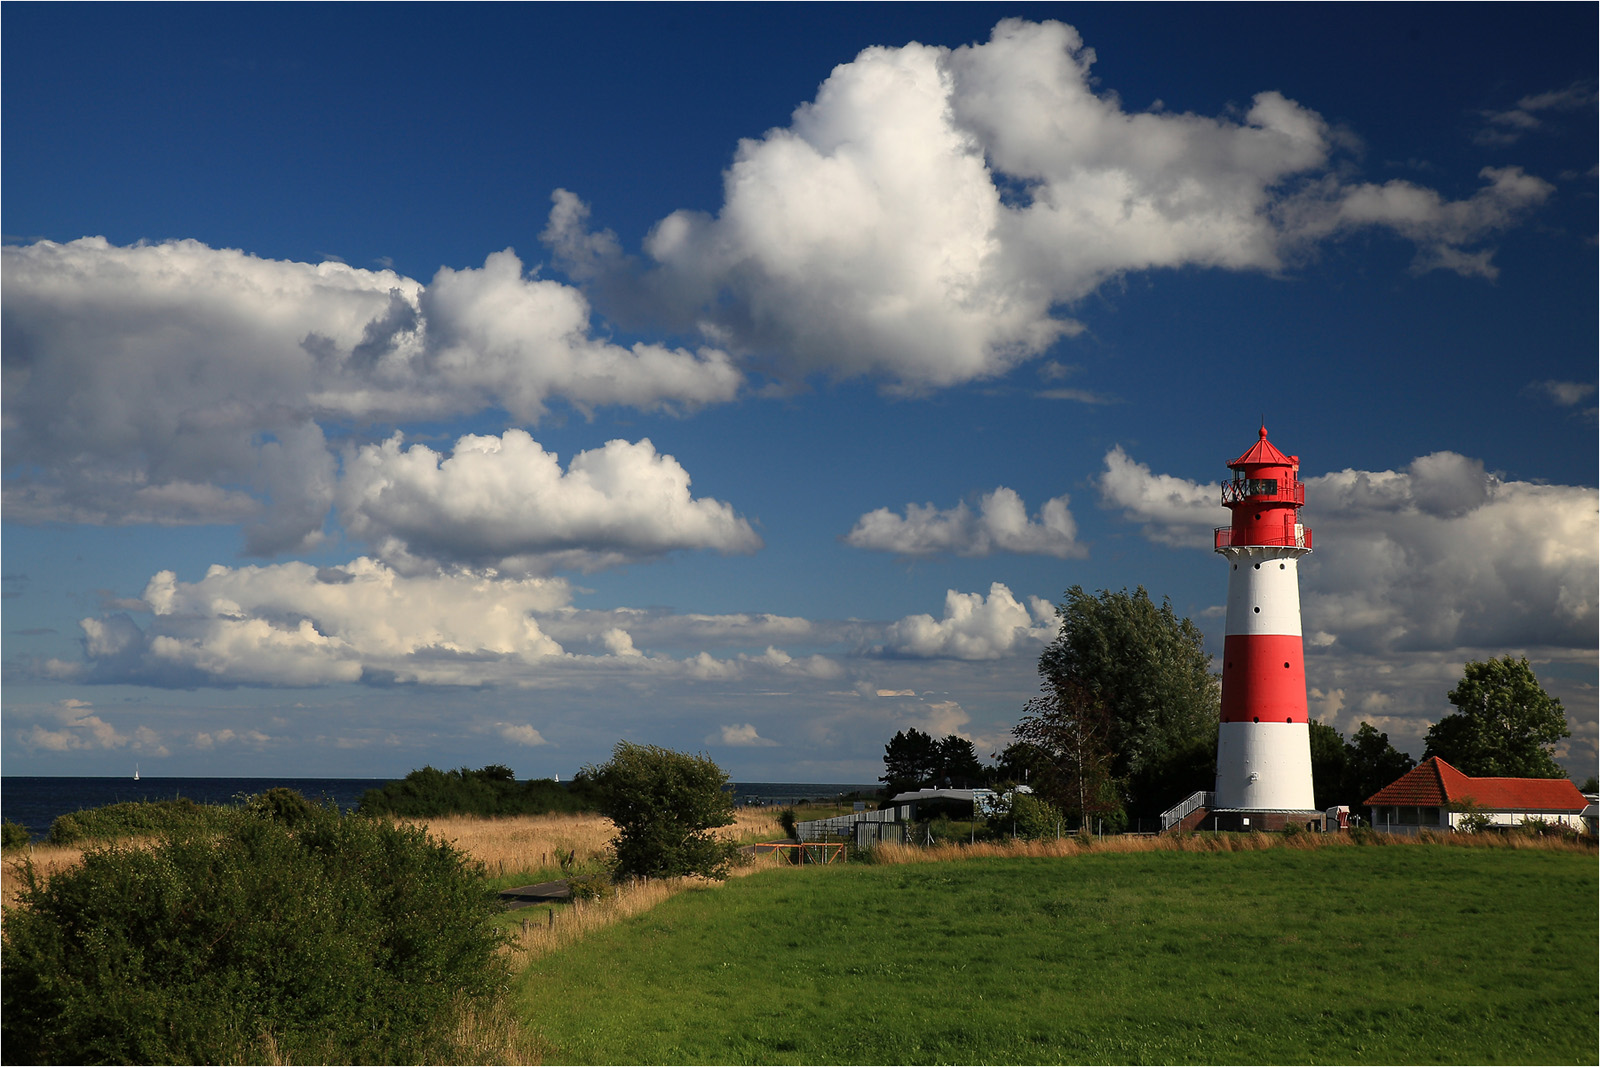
<point x="1000" y="524"/>
<point x="297" y="625"/>
<point x="1442" y="555"/>
<point x="294" y="624"/>
<point x="975" y="627"/>
<point x="504" y="502"/>
<point x="180" y="383"/>
<point x="927" y="214"/>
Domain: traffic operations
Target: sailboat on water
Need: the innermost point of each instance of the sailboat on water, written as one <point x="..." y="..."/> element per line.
<point x="136" y="772"/>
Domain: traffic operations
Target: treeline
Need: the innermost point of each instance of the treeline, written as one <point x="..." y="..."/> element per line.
<point x="1126" y="724"/>
<point x="488" y="792"/>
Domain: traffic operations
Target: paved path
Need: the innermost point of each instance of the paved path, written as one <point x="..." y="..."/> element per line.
<point x="526" y="896"/>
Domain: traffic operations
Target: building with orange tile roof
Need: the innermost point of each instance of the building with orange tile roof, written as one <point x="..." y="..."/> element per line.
<point x="1423" y="798"/>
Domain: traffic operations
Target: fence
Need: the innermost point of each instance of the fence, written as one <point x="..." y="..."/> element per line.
<point x="806" y="852"/>
<point x="841" y="825"/>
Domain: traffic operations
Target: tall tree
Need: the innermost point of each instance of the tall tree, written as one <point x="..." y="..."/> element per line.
<point x="1020" y="763"/>
<point x="1371" y="763"/>
<point x="1329" y="765"/>
<point x="910" y="761"/>
<point x="958" y="764"/>
<point x="1071" y="730"/>
<point x="1505" y="725"/>
<point x="1149" y="669"/>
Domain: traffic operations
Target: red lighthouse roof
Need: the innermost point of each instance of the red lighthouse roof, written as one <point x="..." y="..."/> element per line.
<point x="1264" y="454"/>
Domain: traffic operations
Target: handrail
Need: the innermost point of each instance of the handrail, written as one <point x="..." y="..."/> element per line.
<point x="1184" y="808"/>
<point x="1299" y="537"/>
<point x="1235" y="492"/>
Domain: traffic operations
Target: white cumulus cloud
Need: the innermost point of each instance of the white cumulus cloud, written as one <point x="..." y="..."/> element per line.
<point x="1442" y="555"/>
<point x="520" y="733"/>
<point x="739" y="735"/>
<point x="927" y="214"/>
<point x="975" y="627"/>
<point x="1172" y="510"/>
<point x="504" y="502"/>
<point x="178" y="383"/>
<point x="1000" y="524"/>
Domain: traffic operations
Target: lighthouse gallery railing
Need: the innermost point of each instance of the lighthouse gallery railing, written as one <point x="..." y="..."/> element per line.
<point x="1300" y="537"/>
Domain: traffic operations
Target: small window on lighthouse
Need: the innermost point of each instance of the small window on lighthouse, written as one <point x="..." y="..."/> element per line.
<point x="1256" y="610"/>
<point x="1282" y="566"/>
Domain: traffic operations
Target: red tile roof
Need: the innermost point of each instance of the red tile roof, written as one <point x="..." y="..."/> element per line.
<point x="1433" y="783"/>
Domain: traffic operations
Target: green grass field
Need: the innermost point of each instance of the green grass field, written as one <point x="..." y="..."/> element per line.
<point x="1423" y="954"/>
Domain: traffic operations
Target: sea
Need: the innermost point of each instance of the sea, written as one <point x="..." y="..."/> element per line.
<point x="35" y="802"/>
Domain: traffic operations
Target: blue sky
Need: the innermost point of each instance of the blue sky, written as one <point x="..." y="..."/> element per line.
<point x="457" y="385"/>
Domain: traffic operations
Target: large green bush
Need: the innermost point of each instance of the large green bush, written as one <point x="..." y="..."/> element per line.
<point x="336" y="939"/>
<point x="666" y="806"/>
<point x="13" y="834"/>
<point x="134" y="818"/>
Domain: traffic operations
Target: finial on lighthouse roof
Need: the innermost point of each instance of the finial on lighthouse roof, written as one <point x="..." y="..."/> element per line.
<point x="1263" y="432"/>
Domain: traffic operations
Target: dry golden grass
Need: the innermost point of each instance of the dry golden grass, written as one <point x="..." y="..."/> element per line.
<point x="47" y="860"/>
<point x="1228" y="842"/>
<point x="533" y="842"/>
<point x="524" y="842"/>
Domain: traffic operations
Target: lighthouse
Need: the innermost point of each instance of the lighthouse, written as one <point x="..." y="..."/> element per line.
<point x="1264" y="744"/>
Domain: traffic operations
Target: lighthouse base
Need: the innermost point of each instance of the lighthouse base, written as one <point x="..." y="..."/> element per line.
<point x="1264" y="766"/>
<point x="1265" y="821"/>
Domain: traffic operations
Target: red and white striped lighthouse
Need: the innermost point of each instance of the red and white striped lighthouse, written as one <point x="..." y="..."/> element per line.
<point x="1264" y="745"/>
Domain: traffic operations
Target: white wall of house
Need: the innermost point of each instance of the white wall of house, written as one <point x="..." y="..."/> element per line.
<point x="1406" y="820"/>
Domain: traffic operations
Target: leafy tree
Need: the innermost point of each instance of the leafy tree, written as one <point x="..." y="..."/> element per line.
<point x="958" y="764"/>
<point x="1590" y="784"/>
<point x="1505" y="725"/>
<point x="1149" y="670"/>
<point x="1329" y="765"/>
<point x="1370" y="763"/>
<point x="1028" y="817"/>
<point x="666" y="806"/>
<point x="1071" y="731"/>
<point x="915" y="760"/>
<point x="911" y="760"/>
<point x="344" y="939"/>
<point x="1019" y="763"/>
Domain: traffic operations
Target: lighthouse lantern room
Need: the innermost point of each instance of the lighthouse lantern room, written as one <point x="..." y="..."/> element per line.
<point x="1264" y="743"/>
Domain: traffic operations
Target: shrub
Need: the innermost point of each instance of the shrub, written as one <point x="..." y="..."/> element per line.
<point x="665" y="805"/>
<point x="787" y="821"/>
<point x="1034" y="818"/>
<point x="1366" y="835"/>
<point x="136" y="818"/>
<point x="13" y="835"/>
<point x="287" y="806"/>
<point x="345" y="940"/>
<point x="591" y="887"/>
